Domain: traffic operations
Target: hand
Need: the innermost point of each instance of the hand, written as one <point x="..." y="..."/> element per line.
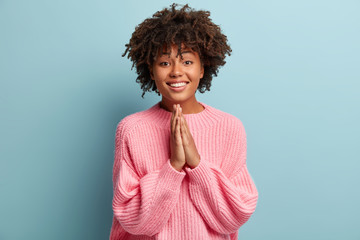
<point x="177" y="159"/>
<point x="192" y="156"/>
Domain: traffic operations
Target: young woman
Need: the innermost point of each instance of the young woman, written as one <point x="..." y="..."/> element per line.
<point x="180" y="166"/>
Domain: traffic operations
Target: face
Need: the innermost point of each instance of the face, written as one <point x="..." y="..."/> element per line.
<point x="167" y="69"/>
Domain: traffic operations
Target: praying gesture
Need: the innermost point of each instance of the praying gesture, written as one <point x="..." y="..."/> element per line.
<point x="212" y="191"/>
<point x="182" y="144"/>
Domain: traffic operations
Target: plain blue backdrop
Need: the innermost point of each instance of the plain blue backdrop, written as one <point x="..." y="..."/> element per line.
<point x="292" y="79"/>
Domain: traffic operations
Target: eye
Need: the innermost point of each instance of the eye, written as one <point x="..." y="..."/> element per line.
<point x="188" y="62"/>
<point x="164" y="64"/>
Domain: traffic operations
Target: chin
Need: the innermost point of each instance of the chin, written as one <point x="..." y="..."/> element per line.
<point x="179" y="99"/>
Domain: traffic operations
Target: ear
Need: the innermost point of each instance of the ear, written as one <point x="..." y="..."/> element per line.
<point x="151" y="71"/>
<point x="202" y="71"/>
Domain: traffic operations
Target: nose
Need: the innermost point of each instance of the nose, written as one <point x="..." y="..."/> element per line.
<point x="176" y="70"/>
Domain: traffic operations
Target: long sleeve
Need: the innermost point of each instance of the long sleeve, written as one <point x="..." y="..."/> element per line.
<point x="142" y="205"/>
<point x="225" y="197"/>
<point x="153" y="200"/>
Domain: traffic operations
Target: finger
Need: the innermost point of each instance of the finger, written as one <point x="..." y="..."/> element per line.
<point x="183" y="130"/>
<point x="183" y="126"/>
<point x="176" y="113"/>
<point x="178" y="134"/>
<point x="186" y="125"/>
<point x="173" y="122"/>
<point x="187" y="129"/>
<point x="181" y="123"/>
<point x="176" y="117"/>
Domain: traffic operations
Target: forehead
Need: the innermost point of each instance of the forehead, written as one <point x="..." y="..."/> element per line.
<point x="174" y="48"/>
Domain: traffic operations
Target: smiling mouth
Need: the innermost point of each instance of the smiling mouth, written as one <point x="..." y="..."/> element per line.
<point x="178" y="87"/>
<point x="182" y="84"/>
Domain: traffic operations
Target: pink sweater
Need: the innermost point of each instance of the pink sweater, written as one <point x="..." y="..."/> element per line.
<point x="152" y="200"/>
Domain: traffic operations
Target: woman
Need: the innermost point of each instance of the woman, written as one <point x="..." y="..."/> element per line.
<point x="180" y="166"/>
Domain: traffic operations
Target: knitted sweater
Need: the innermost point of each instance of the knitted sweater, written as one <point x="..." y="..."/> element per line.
<point x="152" y="200"/>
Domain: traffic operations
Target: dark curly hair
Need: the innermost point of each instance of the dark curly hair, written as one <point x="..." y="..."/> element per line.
<point x="194" y="29"/>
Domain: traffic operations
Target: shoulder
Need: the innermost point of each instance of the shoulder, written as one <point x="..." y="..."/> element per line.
<point x="128" y="123"/>
<point x="229" y="122"/>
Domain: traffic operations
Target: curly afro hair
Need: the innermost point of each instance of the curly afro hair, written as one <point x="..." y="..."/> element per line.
<point x="193" y="29"/>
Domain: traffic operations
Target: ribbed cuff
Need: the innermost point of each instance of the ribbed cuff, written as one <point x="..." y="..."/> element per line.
<point x="171" y="177"/>
<point x="201" y="174"/>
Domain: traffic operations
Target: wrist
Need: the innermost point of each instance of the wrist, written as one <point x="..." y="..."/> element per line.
<point x="177" y="166"/>
<point x="194" y="164"/>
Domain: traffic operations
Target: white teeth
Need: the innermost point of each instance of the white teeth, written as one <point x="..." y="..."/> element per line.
<point x="177" y="84"/>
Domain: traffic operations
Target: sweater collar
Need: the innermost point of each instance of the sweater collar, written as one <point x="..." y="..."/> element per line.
<point x="207" y="117"/>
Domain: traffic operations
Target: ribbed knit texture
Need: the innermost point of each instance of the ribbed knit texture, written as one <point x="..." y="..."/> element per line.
<point x="152" y="200"/>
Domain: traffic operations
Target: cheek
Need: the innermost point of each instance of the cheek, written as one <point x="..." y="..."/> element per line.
<point x="159" y="74"/>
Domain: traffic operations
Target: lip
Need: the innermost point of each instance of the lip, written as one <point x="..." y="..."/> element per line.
<point x="178" y="89"/>
<point x="176" y="82"/>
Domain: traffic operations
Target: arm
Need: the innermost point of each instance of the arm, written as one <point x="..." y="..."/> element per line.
<point x="142" y="205"/>
<point x="225" y="197"/>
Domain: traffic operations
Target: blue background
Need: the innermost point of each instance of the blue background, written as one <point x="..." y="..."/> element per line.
<point x="293" y="80"/>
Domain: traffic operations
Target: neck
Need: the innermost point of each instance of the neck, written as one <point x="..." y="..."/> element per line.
<point x="188" y="107"/>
